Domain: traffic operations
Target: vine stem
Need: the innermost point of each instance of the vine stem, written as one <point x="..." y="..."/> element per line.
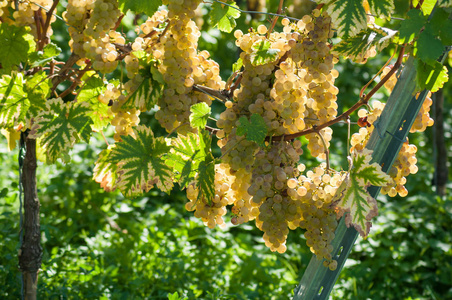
<point x="327" y="152"/>
<point x="45" y="28"/>
<point x="362" y="101"/>
<point x="375" y="76"/>
<point x="275" y="18"/>
<point x="220" y="95"/>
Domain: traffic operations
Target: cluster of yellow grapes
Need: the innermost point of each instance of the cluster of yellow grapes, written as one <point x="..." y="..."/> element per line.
<point x="292" y="92"/>
<point x="91" y="24"/>
<point x="182" y="66"/>
<point x="26" y="14"/>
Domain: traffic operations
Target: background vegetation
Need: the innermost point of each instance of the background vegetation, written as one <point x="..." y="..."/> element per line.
<point x="101" y="245"/>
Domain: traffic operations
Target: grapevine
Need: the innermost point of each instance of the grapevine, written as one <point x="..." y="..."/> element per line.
<point x="279" y="105"/>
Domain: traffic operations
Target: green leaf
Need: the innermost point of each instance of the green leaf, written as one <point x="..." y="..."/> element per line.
<point x="98" y="112"/>
<point x="205" y="141"/>
<point x="381" y="8"/>
<point x="427" y="6"/>
<point x="363" y="41"/>
<point x="60" y="126"/>
<point x="141" y="163"/>
<point x="145" y="96"/>
<point x="445" y="3"/>
<point x="200" y="113"/>
<point x="14" y="102"/>
<point x="442" y="26"/>
<point x="206" y="179"/>
<point x="184" y="157"/>
<point x="223" y="16"/>
<point x="263" y="53"/>
<point x="105" y="172"/>
<point x="37" y="88"/>
<point x="237" y="65"/>
<point x="431" y="76"/>
<point x="255" y="131"/>
<point x="349" y="17"/>
<point x="352" y="196"/>
<point x="40" y="58"/>
<point x="411" y="26"/>
<point x="148" y="7"/>
<point x="428" y="47"/>
<point x="16" y="43"/>
<point x="174" y="296"/>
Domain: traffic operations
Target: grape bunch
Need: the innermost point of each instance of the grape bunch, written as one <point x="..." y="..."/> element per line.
<point x="423" y="119"/>
<point x="211" y="213"/>
<point x="182" y="67"/>
<point x="27" y="13"/>
<point x="292" y="92"/>
<point x="404" y="165"/>
<point x="91" y="23"/>
<point x="405" y="162"/>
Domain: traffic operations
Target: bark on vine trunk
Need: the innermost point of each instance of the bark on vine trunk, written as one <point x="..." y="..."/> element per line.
<point x="441" y="170"/>
<point x="31" y="250"/>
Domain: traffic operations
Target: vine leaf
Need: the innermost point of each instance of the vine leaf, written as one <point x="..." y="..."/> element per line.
<point x="146" y="94"/>
<point x="14" y="102"/>
<point x="60" y="125"/>
<point x="37" y="88"/>
<point x="12" y="136"/>
<point x="352" y="196"/>
<point x="184" y="158"/>
<point x="200" y="113"/>
<point x="237" y="65"/>
<point x="263" y="53"/>
<point x="442" y="25"/>
<point x="411" y="26"/>
<point x="105" y="172"/>
<point x="427" y="6"/>
<point x="206" y="179"/>
<point x="224" y="16"/>
<point x="40" y="58"/>
<point x="139" y="6"/>
<point x="363" y="41"/>
<point x="255" y="129"/>
<point x="381" y="7"/>
<point x="431" y="76"/>
<point x="89" y="93"/>
<point x="141" y="163"/>
<point x="16" y="43"/>
<point x="349" y="16"/>
<point x="428" y="47"/>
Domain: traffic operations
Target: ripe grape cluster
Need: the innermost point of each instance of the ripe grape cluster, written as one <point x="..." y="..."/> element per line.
<point x="183" y="66"/>
<point x="404" y="165"/>
<point x="27" y="13"/>
<point x="211" y="212"/>
<point x="292" y="92"/>
<point x="90" y="26"/>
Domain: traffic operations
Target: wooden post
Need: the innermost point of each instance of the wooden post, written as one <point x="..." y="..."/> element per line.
<point x="30" y="252"/>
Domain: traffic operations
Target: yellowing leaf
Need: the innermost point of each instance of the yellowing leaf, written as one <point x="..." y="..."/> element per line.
<point x="352" y="196"/>
<point x="349" y="16"/>
<point x="12" y="136"/>
<point x="105" y="172"/>
<point x="60" y="126"/>
<point x="141" y="163"/>
<point x="184" y="157"/>
<point x="14" y="102"/>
